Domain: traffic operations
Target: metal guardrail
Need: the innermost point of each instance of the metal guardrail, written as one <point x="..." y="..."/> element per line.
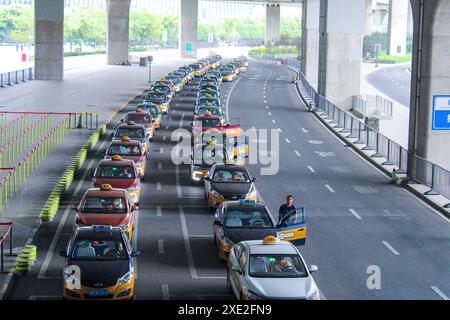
<point x="2" y="240"/>
<point x="15" y="77"/>
<point x="420" y="170"/>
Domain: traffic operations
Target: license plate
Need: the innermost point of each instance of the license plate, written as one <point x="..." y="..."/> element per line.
<point x="98" y="293"/>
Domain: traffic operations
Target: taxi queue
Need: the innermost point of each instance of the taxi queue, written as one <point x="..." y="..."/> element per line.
<point x="103" y="228"/>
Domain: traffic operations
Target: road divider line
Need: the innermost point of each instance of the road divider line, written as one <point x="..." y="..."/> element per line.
<point x="439" y="293"/>
<point x="297" y="153"/>
<point x="158" y="186"/>
<point x="304" y="130"/>
<point x="279" y="130"/>
<point x="177" y="178"/>
<point x="158" y="211"/>
<point x="287" y="140"/>
<point x="387" y="245"/>
<point x="165" y="291"/>
<point x="161" y="246"/>
<point x="355" y="214"/>
<point x="274" y="121"/>
<point x="267" y="107"/>
<point x="228" y="97"/>
<point x="164" y="138"/>
<point x="159" y="166"/>
<point x="187" y="244"/>
<point x="269" y="113"/>
<point x="161" y="150"/>
<point x="311" y="169"/>
<point x="329" y="188"/>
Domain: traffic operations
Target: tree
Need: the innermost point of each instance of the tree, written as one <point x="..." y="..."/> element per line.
<point x="17" y="23"/>
<point x="145" y="28"/>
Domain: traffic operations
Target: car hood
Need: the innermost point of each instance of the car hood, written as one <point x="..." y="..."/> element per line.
<point x="231" y="188"/>
<point x="244" y="234"/>
<point x="282" y="288"/>
<point x="100" y="274"/>
<point x="116" y="183"/>
<point x="104" y="219"/>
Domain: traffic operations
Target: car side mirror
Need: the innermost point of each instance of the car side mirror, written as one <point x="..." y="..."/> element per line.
<point x="313" y="268"/>
<point x="254" y="179"/>
<point x="217" y="223"/>
<point x="91" y="173"/>
<point x="134" y="207"/>
<point x="135" y="254"/>
<point x="122" y="120"/>
<point x="237" y="270"/>
<point x="112" y="134"/>
<point x="63" y="253"/>
<point x="207" y="178"/>
<point x="192" y="124"/>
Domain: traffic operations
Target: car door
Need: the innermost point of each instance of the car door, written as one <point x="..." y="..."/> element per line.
<point x="237" y="263"/>
<point x="293" y="227"/>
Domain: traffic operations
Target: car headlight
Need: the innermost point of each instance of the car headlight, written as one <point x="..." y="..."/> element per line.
<point x="215" y="193"/>
<point x="132" y="188"/>
<point x="313" y="296"/>
<point x="252" y="192"/>
<point x="125" y="226"/>
<point x="139" y="163"/>
<point x="126" y="278"/>
<point x="253" y="296"/>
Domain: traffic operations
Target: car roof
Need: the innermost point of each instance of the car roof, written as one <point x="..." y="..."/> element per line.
<point x="118" y="163"/>
<point x="241" y="204"/>
<point x="125" y="143"/>
<point x="282" y="247"/>
<point x="131" y="126"/>
<point x="102" y="231"/>
<point x="137" y="113"/>
<point x="208" y="117"/>
<point x="235" y="167"/>
<point x="97" y="192"/>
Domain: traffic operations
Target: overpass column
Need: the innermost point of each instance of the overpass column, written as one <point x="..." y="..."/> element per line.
<point x="118" y="33"/>
<point x="430" y="79"/>
<point x="310" y="41"/>
<point x="272" y="24"/>
<point x="49" y="39"/>
<point x="397" y="27"/>
<point x="188" y="28"/>
<point x="342" y="26"/>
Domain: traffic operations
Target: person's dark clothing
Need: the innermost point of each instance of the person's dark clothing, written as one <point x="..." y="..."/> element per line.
<point x="284" y="210"/>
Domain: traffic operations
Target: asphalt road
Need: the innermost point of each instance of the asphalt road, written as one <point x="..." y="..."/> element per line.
<point x="356" y="220"/>
<point x="395" y="82"/>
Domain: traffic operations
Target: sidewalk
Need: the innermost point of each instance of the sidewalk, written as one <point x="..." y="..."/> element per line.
<point x="87" y="87"/>
<point x="396" y="128"/>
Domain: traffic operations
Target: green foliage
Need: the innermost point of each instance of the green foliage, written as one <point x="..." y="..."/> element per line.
<point x="85" y="26"/>
<point x="145" y="28"/>
<point x="370" y="41"/>
<point x="17" y="23"/>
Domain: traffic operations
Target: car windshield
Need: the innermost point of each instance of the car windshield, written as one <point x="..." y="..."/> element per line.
<point x="137" y="133"/>
<point x="99" y="249"/>
<point x="156" y="96"/>
<point x="209" y="154"/>
<point x="226" y="71"/>
<point x="154" y="111"/>
<point x="161" y="88"/>
<point x="207" y="122"/>
<point x="255" y="218"/>
<point x="195" y="66"/>
<point x="175" y="80"/>
<point x="115" y="172"/>
<point x="106" y="205"/>
<point x="139" y="118"/>
<point x="208" y="94"/>
<point x="276" y="266"/>
<point x="231" y="176"/>
<point x="209" y="102"/>
<point x="208" y="88"/>
<point x="124" y="150"/>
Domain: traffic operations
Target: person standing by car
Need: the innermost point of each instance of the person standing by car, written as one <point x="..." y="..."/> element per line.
<point x="286" y="208"/>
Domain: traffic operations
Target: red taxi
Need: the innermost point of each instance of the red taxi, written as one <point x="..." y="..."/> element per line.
<point x="130" y="150"/>
<point x="142" y="117"/>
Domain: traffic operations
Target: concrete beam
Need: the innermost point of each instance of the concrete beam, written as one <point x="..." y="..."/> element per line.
<point x="430" y="77"/>
<point x="342" y="26"/>
<point x="397" y="27"/>
<point x="49" y="39"/>
<point x="272" y="24"/>
<point x="118" y="34"/>
<point x="188" y="28"/>
<point x="310" y="41"/>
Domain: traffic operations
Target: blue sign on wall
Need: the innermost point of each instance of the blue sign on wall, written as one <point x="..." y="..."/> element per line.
<point x="441" y="112"/>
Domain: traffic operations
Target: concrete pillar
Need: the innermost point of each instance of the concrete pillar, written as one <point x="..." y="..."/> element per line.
<point x="310" y="41"/>
<point x="397" y="27"/>
<point x="369" y="20"/>
<point x="118" y="31"/>
<point x="430" y="78"/>
<point x="342" y="26"/>
<point x="188" y="28"/>
<point x="49" y="39"/>
<point x="272" y="24"/>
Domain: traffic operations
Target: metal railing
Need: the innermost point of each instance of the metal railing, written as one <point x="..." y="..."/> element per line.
<point x="436" y="178"/>
<point x="16" y="77"/>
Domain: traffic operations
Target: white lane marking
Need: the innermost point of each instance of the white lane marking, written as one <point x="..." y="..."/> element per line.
<point x="287" y="140"/>
<point x="161" y="246"/>
<point x="161" y="150"/>
<point x="187" y="244"/>
<point x="279" y="130"/>
<point x="159" y="166"/>
<point x="390" y="248"/>
<point x="201" y="235"/>
<point x="101" y="147"/>
<point x="440" y="293"/>
<point x="158" y="211"/>
<point x="274" y="121"/>
<point x="267" y="107"/>
<point x="264" y="96"/>
<point x="165" y="291"/>
<point x="304" y="130"/>
<point x="265" y="101"/>
<point x="167" y="127"/>
<point x="61" y="224"/>
<point x="297" y="153"/>
<point x="164" y="138"/>
<point x="43" y="297"/>
<point x="329" y="188"/>
<point x="355" y="214"/>
<point x="158" y="186"/>
<point x="269" y="113"/>
<point x="228" y="97"/>
<point x="311" y="169"/>
<point x="177" y="177"/>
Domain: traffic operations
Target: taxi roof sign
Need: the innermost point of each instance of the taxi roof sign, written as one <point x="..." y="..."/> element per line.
<point x="131" y="122"/>
<point x="116" y="157"/>
<point x="138" y="110"/>
<point x="208" y="113"/>
<point x="125" y="138"/>
<point x="106" y="187"/>
<point x="270" y="240"/>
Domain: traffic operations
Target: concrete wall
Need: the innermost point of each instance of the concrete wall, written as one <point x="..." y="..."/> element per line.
<point x="272" y="34"/>
<point x="342" y="26"/>
<point x="49" y="39"/>
<point x="430" y="76"/>
<point x="310" y="41"/>
<point x="188" y="27"/>
<point x="398" y="27"/>
<point x="118" y="34"/>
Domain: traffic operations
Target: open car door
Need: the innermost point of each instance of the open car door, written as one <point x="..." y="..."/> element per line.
<point x="293" y="227"/>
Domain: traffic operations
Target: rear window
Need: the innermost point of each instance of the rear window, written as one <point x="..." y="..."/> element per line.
<point x="124" y="150"/>
<point x="139" y="118"/>
<point x="115" y="172"/>
<point x="137" y="133"/>
<point x="106" y="205"/>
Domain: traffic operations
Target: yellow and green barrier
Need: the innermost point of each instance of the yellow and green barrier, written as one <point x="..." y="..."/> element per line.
<point x="25" y="259"/>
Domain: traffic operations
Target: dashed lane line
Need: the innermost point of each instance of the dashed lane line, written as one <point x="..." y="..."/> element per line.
<point x="387" y="245"/>
<point x="161" y="246"/>
<point x="352" y="211"/>
<point x="297" y="153"/>
<point x="311" y="169"/>
<point x="329" y="188"/>
<point x="440" y="293"/>
<point x="165" y="291"/>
